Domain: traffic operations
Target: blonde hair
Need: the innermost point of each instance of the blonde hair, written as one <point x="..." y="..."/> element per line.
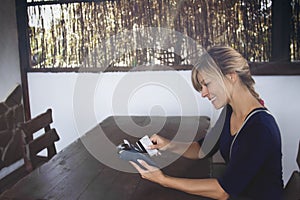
<point x="221" y="60"/>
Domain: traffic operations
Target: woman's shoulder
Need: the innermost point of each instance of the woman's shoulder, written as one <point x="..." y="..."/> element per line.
<point x="263" y="124"/>
<point x="262" y="116"/>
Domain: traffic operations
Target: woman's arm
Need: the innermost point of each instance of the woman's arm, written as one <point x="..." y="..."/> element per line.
<point x="203" y="187"/>
<point x="188" y="150"/>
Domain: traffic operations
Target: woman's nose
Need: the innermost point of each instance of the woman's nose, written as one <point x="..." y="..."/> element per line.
<point x="204" y="91"/>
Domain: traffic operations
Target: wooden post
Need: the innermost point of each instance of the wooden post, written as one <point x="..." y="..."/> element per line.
<point x="24" y="51"/>
<point x="281" y="26"/>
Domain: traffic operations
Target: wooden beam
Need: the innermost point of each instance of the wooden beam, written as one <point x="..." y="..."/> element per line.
<point x="264" y="68"/>
<point x="281" y="28"/>
<point x="24" y="51"/>
<point x="41" y="3"/>
<point x="275" y="69"/>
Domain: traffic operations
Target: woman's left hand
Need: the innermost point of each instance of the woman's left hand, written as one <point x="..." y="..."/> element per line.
<point x="150" y="173"/>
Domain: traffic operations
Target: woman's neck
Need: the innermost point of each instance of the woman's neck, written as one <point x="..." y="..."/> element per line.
<point x="242" y="103"/>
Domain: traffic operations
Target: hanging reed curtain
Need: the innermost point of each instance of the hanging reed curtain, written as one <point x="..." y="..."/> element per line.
<point x="69" y="35"/>
<point x="295" y="31"/>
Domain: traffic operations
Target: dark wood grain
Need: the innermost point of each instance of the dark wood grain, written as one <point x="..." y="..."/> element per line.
<point x="75" y="173"/>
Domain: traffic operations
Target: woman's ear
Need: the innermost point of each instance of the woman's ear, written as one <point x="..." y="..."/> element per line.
<point x="232" y="77"/>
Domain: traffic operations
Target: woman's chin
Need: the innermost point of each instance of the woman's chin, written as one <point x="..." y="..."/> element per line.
<point x="217" y="106"/>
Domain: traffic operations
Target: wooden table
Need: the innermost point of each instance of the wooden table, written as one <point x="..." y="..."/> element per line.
<point x="75" y="173"/>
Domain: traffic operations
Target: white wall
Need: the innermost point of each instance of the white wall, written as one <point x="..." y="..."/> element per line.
<point x="80" y="101"/>
<point x="9" y="53"/>
<point x="282" y="97"/>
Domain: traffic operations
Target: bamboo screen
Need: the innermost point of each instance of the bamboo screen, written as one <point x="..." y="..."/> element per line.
<point x="69" y="35"/>
<point x="295" y="31"/>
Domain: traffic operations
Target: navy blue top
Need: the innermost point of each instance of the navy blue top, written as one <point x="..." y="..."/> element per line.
<point x="254" y="169"/>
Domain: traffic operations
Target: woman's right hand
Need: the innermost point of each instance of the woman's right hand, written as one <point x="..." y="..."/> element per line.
<point x="159" y="142"/>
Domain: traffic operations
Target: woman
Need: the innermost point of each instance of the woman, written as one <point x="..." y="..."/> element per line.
<point x="251" y="147"/>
